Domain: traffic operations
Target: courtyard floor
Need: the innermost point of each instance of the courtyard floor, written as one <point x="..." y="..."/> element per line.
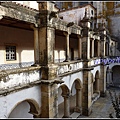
<point x="103" y="106"/>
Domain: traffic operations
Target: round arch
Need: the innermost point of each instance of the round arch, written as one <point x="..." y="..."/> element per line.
<point x="97" y="75"/>
<point x="76" y="96"/>
<point x="63" y="100"/>
<point x="65" y="89"/>
<point x="77" y="84"/>
<point x="96" y="83"/>
<point x="107" y="76"/>
<point x="33" y="108"/>
<point x="116" y="75"/>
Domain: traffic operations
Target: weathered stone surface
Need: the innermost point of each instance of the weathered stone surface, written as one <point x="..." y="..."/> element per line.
<point x="19" y="13"/>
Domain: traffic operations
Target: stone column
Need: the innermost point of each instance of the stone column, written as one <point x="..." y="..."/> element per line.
<point x="36" y="45"/>
<point x="98" y="48"/>
<point x="110" y="77"/>
<point x="86" y="96"/>
<point x="97" y="85"/>
<point x="102" y="81"/>
<point x="79" y="47"/>
<point x="66" y="106"/>
<point x="67" y="46"/>
<point x="78" y="101"/>
<point x="88" y="48"/>
<point x="92" y="48"/>
<point x="48" y="70"/>
<point x="49" y="104"/>
<point x="47" y="39"/>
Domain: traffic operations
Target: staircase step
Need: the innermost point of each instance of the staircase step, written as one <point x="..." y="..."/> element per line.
<point x="75" y="115"/>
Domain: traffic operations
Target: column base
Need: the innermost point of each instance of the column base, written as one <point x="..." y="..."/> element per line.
<point x="102" y="94"/>
<point x="78" y="109"/>
<point x="66" y="117"/>
<point x="35" y="65"/>
<point x="66" y="61"/>
<point x="86" y="112"/>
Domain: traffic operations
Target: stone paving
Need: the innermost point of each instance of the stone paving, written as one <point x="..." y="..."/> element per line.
<point x="103" y="106"/>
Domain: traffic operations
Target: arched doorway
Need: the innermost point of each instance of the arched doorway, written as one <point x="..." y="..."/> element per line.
<point x="25" y="109"/>
<point x="116" y="75"/>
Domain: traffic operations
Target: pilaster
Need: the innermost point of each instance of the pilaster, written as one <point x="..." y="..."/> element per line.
<point x="86" y="94"/>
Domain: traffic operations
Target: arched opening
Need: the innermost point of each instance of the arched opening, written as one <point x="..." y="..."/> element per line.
<point x="72" y="98"/>
<point x="96" y="89"/>
<point x="92" y="81"/>
<point x="76" y="97"/>
<point x="106" y="48"/>
<point x="95" y="48"/>
<point x="116" y="75"/>
<point x="25" y="109"/>
<point x="107" y="77"/>
<point x="63" y="101"/>
<point x="91" y="47"/>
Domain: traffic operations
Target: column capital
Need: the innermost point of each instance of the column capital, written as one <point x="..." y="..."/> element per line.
<point x="1" y="17"/>
<point x="92" y="39"/>
<point x="78" y="89"/>
<point x="69" y="30"/>
<point x="66" y="95"/>
<point x="33" y="26"/>
<point x="79" y="36"/>
<point x="65" y="33"/>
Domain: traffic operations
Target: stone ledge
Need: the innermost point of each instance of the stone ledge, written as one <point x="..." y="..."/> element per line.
<point x="18" y="88"/>
<point x="57" y="81"/>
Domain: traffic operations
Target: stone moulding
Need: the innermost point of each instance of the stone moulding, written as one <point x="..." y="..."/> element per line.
<point x="19" y="15"/>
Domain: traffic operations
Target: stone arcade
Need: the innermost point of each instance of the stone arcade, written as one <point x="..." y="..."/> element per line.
<point x="53" y="72"/>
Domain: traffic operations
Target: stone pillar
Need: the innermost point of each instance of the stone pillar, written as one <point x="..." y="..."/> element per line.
<point x="78" y="107"/>
<point x="36" y="45"/>
<point x="92" y="48"/>
<point x="49" y="105"/>
<point x="85" y="48"/>
<point x="109" y="73"/>
<point x="48" y="71"/>
<point x="102" y="48"/>
<point x="47" y="39"/>
<point x="66" y="106"/>
<point x="79" y="47"/>
<point x="67" y="46"/>
<point x="86" y="94"/>
<point x="97" y="85"/>
<point x="98" y="48"/>
<point x="102" y="81"/>
<point x="88" y="48"/>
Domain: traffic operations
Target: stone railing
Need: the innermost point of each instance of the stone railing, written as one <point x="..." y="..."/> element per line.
<point x="67" y="67"/>
<point x="95" y="62"/>
<point x="14" y="79"/>
<point x="15" y="65"/>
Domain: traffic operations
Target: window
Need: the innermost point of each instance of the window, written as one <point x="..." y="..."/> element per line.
<point x="92" y="12"/>
<point x="10" y="53"/>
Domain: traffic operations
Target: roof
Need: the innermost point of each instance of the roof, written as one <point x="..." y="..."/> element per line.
<point x="11" y="4"/>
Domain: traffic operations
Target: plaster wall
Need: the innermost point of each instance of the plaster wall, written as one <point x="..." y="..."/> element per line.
<point x="8" y="103"/>
<point x="59" y="52"/>
<point x="22" y="39"/>
<point x="75" y="15"/>
<point x="115" y="25"/>
<point x="21" y="111"/>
